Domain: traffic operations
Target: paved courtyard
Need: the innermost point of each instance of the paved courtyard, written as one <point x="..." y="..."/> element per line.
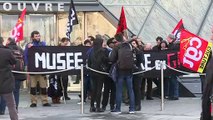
<point x="183" y="109"/>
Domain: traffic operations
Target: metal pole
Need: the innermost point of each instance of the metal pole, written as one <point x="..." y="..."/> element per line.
<point x="82" y="89"/>
<point x="147" y="17"/>
<point x="204" y="18"/>
<point x="162" y="87"/>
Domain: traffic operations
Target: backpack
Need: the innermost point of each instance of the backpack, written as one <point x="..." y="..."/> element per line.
<point x="19" y="66"/>
<point x="125" y="57"/>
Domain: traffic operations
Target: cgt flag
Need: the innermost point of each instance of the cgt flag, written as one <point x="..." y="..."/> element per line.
<point x="72" y="19"/>
<point x="122" y="26"/>
<point x="177" y="31"/>
<point x="17" y="32"/>
<point x="194" y="52"/>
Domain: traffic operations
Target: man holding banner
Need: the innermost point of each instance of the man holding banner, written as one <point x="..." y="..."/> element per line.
<point x="35" y="36"/>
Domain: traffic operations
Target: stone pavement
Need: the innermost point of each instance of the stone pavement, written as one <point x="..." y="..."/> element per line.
<point x="183" y="109"/>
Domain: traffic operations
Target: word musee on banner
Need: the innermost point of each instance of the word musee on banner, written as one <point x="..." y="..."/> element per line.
<point x="55" y="58"/>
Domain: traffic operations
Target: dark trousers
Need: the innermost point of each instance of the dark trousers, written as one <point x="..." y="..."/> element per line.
<point x="173" y="87"/>
<point x="109" y="86"/>
<point x="137" y="89"/>
<point x="64" y="80"/>
<point x="86" y="85"/>
<point x="202" y="78"/>
<point x="149" y="87"/>
<point x="97" y="81"/>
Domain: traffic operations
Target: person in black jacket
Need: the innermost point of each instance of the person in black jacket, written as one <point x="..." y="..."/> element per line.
<point x="7" y="81"/>
<point x="173" y="82"/>
<point x="207" y="93"/>
<point x="97" y="60"/>
<point x="137" y="79"/>
<point x="109" y="84"/>
<point x="18" y="77"/>
<point x="11" y="44"/>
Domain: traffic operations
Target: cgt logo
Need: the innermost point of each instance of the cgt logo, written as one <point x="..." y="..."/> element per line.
<point x="193" y="53"/>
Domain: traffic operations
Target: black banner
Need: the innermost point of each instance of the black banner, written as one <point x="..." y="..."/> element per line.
<point x="54" y="58"/>
<point x="168" y="57"/>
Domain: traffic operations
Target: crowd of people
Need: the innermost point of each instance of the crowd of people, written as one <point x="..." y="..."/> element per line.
<point x="124" y="55"/>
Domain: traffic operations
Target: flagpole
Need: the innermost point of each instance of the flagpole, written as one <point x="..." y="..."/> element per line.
<point x="72" y="19"/>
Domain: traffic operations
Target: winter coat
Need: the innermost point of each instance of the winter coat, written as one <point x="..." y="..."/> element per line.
<point x="7" y="60"/>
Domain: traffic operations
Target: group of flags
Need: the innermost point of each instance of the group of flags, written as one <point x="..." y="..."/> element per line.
<point x="194" y="51"/>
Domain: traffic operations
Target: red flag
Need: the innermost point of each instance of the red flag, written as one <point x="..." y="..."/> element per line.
<point x="194" y="52"/>
<point x="17" y="32"/>
<point x="122" y="26"/>
<point x="177" y="31"/>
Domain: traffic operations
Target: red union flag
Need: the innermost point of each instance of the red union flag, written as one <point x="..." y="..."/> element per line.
<point x="177" y="31"/>
<point x="17" y="32"/>
<point x="194" y="51"/>
<point x="122" y="26"/>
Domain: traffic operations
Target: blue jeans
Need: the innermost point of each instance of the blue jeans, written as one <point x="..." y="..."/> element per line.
<point x="16" y="96"/>
<point x="2" y="105"/>
<point x="173" y="87"/>
<point x="119" y="86"/>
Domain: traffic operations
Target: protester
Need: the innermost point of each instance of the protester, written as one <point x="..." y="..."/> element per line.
<point x="158" y="41"/>
<point x="125" y="72"/>
<point x="147" y="81"/>
<point x="59" y="83"/>
<point x="63" y="82"/>
<point x="98" y="60"/>
<point x="164" y="46"/>
<point x="173" y="80"/>
<point x="87" y="77"/>
<point x="109" y="85"/>
<point x="207" y="93"/>
<point x="35" y="37"/>
<point x="137" y="79"/>
<point x="7" y="81"/>
<point x="54" y="89"/>
<point x="157" y="81"/>
<point x="125" y="98"/>
<point x="18" y="53"/>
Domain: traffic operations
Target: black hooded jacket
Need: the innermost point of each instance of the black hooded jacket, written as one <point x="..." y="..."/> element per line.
<point x="98" y="58"/>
